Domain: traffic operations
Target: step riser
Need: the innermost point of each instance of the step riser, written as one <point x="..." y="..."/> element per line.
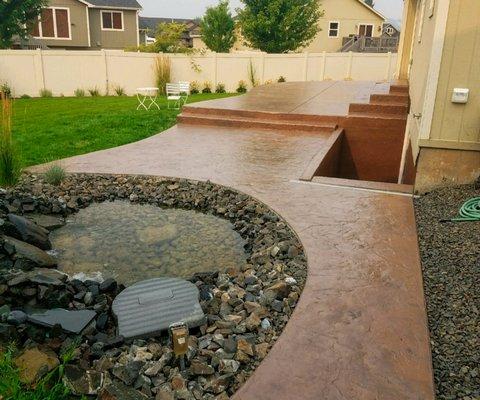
<point x="261" y="116"/>
<point x="394" y="89"/>
<point x="379" y="109"/>
<point x="184" y="119"/>
<point x="389" y="99"/>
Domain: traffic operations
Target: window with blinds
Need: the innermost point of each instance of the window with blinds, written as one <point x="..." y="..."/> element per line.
<point x="53" y="23"/>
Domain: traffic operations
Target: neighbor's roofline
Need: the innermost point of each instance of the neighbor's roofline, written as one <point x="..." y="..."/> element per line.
<point x="373" y="10"/>
<point x="90" y="5"/>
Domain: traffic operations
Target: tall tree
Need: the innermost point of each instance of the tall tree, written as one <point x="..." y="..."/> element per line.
<point x="279" y="26"/>
<point x="371" y="3"/>
<point x="16" y="19"/>
<point x="168" y="38"/>
<point x="218" y="28"/>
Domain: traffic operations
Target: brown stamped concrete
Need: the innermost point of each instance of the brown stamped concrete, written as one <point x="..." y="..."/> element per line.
<point x="359" y="330"/>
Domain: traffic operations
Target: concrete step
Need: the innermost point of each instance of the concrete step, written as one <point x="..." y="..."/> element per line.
<point x="399" y="89"/>
<point x="243" y="122"/>
<point x="397" y="99"/>
<point x="387" y="109"/>
<point x="259" y="115"/>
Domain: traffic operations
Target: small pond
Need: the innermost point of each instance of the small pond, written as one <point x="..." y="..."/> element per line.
<point x="131" y="242"/>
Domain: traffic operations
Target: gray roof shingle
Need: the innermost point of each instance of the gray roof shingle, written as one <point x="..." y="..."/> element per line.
<point x="115" y="3"/>
<point x="151" y="23"/>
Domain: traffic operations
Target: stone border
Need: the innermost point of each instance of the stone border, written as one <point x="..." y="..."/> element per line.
<point x="246" y="309"/>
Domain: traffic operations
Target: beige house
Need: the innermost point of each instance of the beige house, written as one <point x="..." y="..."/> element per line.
<point x="439" y="55"/>
<point x="341" y="19"/>
<point x="82" y="24"/>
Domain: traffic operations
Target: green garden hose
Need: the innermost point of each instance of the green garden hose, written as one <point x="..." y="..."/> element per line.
<point x="470" y="211"/>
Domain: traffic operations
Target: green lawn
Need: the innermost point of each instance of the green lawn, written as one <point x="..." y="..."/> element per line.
<point x="47" y="129"/>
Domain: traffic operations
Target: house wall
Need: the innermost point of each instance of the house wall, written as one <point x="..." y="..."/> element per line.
<point x="114" y="39"/>
<point x="29" y="71"/>
<point x="78" y="25"/>
<point x="349" y="13"/>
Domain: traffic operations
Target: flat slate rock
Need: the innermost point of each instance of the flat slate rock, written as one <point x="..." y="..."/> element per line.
<point x="30" y="252"/>
<point x="49" y="222"/>
<point x="147" y="308"/>
<point x="30" y="232"/>
<point x="70" y="321"/>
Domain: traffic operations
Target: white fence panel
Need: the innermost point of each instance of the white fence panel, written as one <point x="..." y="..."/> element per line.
<point x="61" y="71"/>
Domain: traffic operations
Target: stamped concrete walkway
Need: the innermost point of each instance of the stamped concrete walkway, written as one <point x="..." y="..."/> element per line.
<point x="359" y="331"/>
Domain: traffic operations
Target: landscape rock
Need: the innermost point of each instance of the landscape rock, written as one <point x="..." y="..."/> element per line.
<point x="34" y="363"/>
<point x="29" y="232"/>
<point x="70" y="321"/>
<point x="31" y="253"/>
<point x="118" y="391"/>
<point x="82" y="382"/>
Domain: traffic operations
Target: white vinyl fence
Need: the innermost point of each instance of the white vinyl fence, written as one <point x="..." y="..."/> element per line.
<point x="63" y="71"/>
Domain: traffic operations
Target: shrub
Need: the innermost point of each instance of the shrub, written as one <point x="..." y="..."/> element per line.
<point x="220" y="88"/>
<point x="6" y="90"/>
<point x="282" y="79"/>
<point x="242" y="87"/>
<point x="162" y="69"/>
<point x="194" y="87"/>
<point x="119" y="91"/>
<point x="55" y="175"/>
<point x="25" y="96"/>
<point x="94" y="92"/>
<point x="9" y="161"/>
<point x="45" y="93"/>
<point x="268" y="82"/>
<point x="79" y="92"/>
<point x="207" y="87"/>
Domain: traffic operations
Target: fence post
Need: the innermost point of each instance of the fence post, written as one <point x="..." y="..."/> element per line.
<point x="322" y="66"/>
<point x="105" y="66"/>
<point x="305" y="66"/>
<point x="389" y="66"/>
<point x="263" y="68"/>
<point x="215" y="73"/>
<point x="39" y="72"/>
<point x="350" y="64"/>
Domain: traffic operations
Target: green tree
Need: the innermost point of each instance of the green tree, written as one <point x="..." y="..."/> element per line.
<point x="16" y="19"/>
<point x="371" y="3"/>
<point x="169" y="38"/>
<point x="279" y="26"/>
<point x="218" y="28"/>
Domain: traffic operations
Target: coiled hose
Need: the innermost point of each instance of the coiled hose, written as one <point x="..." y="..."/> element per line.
<point x="470" y="211"/>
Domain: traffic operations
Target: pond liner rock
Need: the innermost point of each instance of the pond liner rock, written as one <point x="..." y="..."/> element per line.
<point x="246" y="308"/>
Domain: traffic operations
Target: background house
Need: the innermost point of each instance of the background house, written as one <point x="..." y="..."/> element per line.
<point x="82" y="24"/>
<point x="439" y="56"/>
<point x="191" y="36"/>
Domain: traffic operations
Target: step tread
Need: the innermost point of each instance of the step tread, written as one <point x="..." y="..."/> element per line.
<point x="214" y="118"/>
<point x="377" y="115"/>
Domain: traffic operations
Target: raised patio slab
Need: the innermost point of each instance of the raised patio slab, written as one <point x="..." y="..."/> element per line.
<point x="359" y="331"/>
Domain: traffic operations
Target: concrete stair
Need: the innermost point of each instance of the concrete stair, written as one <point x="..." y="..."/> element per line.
<point x="256" y="120"/>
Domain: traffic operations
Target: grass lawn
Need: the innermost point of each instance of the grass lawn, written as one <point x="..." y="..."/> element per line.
<point x="47" y="129"/>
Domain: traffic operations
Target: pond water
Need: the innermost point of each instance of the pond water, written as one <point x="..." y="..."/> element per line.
<point x="131" y="243"/>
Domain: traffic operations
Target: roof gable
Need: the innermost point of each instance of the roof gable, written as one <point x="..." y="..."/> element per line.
<point x="378" y="13"/>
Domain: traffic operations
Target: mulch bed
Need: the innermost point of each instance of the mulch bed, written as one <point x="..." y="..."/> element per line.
<point x="450" y="255"/>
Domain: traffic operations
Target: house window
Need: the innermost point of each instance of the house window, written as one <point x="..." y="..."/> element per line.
<point x="365" y="30"/>
<point x="53" y="23"/>
<point x="389" y="31"/>
<point x="112" y="20"/>
<point x="333" y="29"/>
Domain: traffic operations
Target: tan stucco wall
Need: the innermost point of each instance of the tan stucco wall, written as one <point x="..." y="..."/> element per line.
<point x="78" y="25"/>
<point x="349" y="13"/>
<point x="113" y="39"/>
<point x="459" y="124"/>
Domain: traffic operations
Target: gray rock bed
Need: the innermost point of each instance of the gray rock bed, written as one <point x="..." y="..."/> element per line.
<point x="246" y="307"/>
<point x="450" y="255"/>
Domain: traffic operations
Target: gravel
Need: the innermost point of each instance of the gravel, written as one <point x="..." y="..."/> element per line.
<point x="450" y="255"/>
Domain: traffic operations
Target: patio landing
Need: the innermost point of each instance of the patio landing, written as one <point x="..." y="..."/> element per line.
<point x="359" y="330"/>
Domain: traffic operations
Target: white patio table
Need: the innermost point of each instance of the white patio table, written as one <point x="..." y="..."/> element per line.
<point x="147" y="97"/>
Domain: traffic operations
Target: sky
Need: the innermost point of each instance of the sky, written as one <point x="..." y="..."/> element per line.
<point x="392" y="9"/>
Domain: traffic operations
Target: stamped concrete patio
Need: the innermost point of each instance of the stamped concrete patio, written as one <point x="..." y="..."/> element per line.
<point x="359" y="331"/>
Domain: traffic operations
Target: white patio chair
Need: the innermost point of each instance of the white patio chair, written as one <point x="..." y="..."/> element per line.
<point x="174" y="94"/>
<point x="184" y="91"/>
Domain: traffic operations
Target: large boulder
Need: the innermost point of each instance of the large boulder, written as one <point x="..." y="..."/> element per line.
<point x="28" y="231"/>
<point x="30" y="253"/>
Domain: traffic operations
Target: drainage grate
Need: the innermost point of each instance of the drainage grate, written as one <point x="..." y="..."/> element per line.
<point x="149" y="307"/>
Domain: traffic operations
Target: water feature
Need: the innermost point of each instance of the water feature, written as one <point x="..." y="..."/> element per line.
<point x="131" y="242"/>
